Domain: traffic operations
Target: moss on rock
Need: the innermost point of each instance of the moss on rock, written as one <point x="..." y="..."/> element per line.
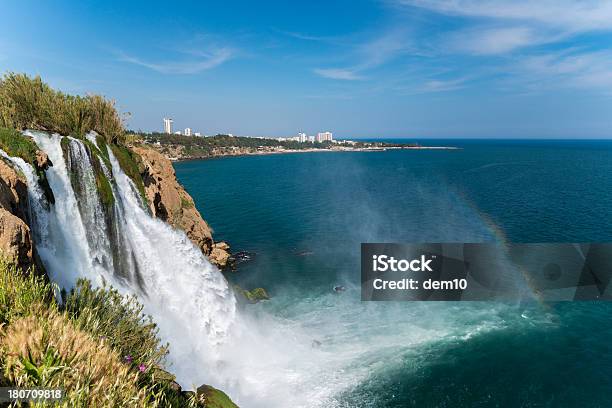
<point x="15" y="144"/>
<point x="131" y="165"/>
<point x="252" y="296"/>
<point x="214" y="398"/>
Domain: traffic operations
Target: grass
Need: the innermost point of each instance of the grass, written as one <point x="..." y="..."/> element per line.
<point x="21" y="292"/>
<point x="29" y="103"/>
<point x="186" y="203"/>
<point x="46" y="350"/>
<point x="17" y="145"/>
<point x="105" y="313"/>
<point x="98" y="345"/>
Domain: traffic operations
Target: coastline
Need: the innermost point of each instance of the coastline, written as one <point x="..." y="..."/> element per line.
<point x="310" y="150"/>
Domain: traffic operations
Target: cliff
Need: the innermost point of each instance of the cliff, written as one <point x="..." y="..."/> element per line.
<point x="169" y="202"/>
<point x="15" y="239"/>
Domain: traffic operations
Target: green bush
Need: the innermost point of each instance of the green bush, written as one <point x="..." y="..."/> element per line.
<point x="47" y="350"/>
<point x="21" y="293"/>
<point x="120" y="320"/>
<point x="29" y="103"/>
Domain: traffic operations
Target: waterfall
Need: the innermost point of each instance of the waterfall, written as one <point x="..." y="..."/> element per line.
<point x="124" y="246"/>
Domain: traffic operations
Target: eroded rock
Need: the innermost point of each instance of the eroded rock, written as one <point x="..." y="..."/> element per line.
<point x="169" y="201"/>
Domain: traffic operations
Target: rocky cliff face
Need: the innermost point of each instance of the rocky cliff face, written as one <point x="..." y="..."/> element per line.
<point x="169" y="202"/>
<point x="15" y="238"/>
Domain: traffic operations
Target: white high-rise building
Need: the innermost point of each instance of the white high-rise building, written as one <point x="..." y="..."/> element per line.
<point x="302" y="137"/>
<point x="324" y="137"/>
<point x="311" y="139"/>
<point x="187" y="131"/>
<point x="167" y="125"/>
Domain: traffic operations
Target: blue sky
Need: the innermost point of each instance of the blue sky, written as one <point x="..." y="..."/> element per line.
<point x="387" y="68"/>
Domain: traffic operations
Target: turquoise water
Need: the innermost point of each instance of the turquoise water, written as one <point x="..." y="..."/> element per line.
<point x="304" y="215"/>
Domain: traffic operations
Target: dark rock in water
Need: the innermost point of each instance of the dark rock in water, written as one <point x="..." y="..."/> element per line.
<point x="240" y="257"/>
<point x="339" y="289"/>
<point x="210" y="397"/>
<point x="316" y="344"/>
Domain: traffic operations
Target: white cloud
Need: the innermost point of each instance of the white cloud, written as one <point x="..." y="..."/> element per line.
<point x="569" y="69"/>
<point x="443" y="85"/>
<point x="200" y="61"/>
<point x="338" y="73"/>
<point x="502" y="26"/>
<point x="497" y="40"/>
<point x="367" y="55"/>
<point x="570" y="15"/>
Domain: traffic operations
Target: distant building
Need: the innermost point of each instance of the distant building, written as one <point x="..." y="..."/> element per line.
<point x="187" y="131"/>
<point x="324" y="137"/>
<point x="178" y="132"/>
<point x="302" y="137"/>
<point x="197" y="134"/>
<point x="311" y="139"/>
<point x="167" y="125"/>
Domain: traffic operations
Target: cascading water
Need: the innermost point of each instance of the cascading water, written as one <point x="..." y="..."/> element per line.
<point x="187" y="296"/>
<point x="258" y="360"/>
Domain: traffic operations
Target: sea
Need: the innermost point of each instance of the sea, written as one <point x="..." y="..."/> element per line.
<point x="303" y="216"/>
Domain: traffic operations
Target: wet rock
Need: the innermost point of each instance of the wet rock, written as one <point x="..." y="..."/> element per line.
<point x="220" y="255"/>
<point x="169" y="202"/>
<point x="42" y="160"/>
<point x="241" y="257"/>
<point x="15" y="240"/>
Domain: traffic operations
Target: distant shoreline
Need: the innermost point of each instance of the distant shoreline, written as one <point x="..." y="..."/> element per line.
<point x="310" y="150"/>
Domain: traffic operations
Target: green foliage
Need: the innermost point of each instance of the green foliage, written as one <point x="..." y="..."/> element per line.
<point x="252" y="296"/>
<point x="214" y="398"/>
<point x="103" y="184"/>
<point x="41" y="372"/>
<point x="17" y="145"/>
<point x="120" y="320"/>
<point x="205" y="145"/>
<point x="186" y="203"/>
<point x="131" y="164"/>
<point x="29" y="103"/>
<point x="102" y="146"/>
<point x="104" y="189"/>
<point x="21" y="292"/>
<point x="82" y="346"/>
<point x="46" y="350"/>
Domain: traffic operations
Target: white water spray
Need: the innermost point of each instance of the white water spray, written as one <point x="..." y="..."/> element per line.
<point x="257" y="359"/>
<point x="190" y="300"/>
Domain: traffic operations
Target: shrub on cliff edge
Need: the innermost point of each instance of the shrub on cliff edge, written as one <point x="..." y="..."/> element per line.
<point x="29" y="103"/>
